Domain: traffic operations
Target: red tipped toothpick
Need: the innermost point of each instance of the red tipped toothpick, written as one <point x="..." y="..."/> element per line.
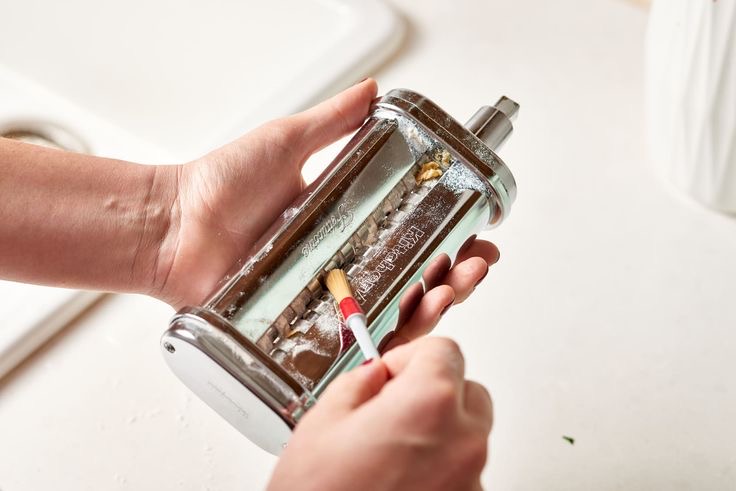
<point x="337" y="283"/>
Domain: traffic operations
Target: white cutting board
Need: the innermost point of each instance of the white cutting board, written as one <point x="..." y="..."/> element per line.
<point x="163" y="81"/>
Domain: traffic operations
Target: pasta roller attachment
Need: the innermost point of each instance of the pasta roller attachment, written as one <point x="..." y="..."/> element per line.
<point x="411" y="184"/>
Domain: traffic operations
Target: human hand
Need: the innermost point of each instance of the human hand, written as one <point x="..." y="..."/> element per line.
<point x="227" y="199"/>
<point x="406" y="421"/>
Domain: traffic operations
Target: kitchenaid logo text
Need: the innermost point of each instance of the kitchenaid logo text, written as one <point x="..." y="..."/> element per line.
<point x="339" y="220"/>
<point x="368" y="279"/>
<point x="226" y="397"/>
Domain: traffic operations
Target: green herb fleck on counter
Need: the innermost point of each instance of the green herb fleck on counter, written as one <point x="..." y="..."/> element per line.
<point x="569" y="439"/>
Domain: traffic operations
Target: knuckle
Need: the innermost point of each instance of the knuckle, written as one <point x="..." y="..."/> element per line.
<point x="447" y="355"/>
<point x="443" y="345"/>
<point x="281" y="131"/>
<point x="439" y="403"/>
<point x="443" y="395"/>
<point x="479" y="405"/>
<point x="482" y="392"/>
<point x="476" y="453"/>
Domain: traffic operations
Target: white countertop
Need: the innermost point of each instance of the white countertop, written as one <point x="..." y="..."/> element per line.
<point x="610" y="317"/>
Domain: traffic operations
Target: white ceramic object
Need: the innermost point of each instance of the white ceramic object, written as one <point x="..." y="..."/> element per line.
<point x="691" y="96"/>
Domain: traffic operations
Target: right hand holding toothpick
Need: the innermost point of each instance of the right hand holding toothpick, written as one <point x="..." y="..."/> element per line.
<point x="409" y="420"/>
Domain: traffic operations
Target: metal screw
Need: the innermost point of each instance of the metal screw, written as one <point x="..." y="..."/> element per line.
<point x="169" y="347"/>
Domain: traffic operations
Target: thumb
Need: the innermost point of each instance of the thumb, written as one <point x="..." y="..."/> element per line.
<point x="324" y="123"/>
<point x="353" y="388"/>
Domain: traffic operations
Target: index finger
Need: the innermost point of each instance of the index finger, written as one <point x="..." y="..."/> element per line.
<point x="426" y="357"/>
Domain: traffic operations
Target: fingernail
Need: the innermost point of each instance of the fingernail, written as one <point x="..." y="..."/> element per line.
<point x="468" y="242"/>
<point x="481" y="278"/>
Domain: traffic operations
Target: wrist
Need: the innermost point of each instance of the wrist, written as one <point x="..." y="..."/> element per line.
<point x="159" y="235"/>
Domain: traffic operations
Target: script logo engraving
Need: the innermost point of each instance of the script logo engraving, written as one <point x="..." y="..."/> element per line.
<point x="340" y="220"/>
